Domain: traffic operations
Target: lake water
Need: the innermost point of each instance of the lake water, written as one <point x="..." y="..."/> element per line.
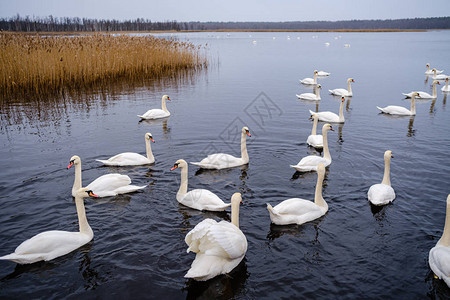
<point x="138" y="250"/>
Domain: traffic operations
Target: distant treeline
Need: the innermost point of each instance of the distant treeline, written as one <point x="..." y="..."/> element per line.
<point x="64" y="24"/>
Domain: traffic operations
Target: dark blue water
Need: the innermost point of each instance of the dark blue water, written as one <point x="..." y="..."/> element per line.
<point x="138" y="250"/>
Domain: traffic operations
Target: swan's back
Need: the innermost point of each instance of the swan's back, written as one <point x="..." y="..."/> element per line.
<point x="202" y="199"/>
<point x="380" y="194"/>
<point x="295" y="211"/>
<point x="126" y="159"/>
<point x="219" y="161"/>
<point x="439" y="261"/>
<point x="155" y="113"/>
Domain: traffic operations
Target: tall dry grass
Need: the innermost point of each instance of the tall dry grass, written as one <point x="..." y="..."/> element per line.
<point x="39" y="64"/>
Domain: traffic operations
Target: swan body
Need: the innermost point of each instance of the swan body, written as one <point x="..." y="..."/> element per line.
<point x="315" y="140"/>
<point x="311" y="96"/>
<point x="106" y="185"/>
<point x="299" y="211"/>
<point x="131" y="158"/>
<point x="331" y="117"/>
<point x="55" y="243"/>
<point x="157" y="113"/>
<point x="425" y="95"/>
<point x="437" y="76"/>
<point x="446" y="88"/>
<point x="219" y="246"/>
<point x="344" y="92"/>
<point x="323" y="73"/>
<point x="399" y="110"/>
<point x="311" y="162"/>
<point x="382" y="193"/>
<point x="200" y="199"/>
<point x="439" y="256"/>
<point x="222" y="161"/>
<point x="310" y="80"/>
<point x="430" y="72"/>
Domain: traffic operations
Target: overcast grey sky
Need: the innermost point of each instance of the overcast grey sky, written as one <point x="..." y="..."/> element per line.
<point x="228" y="10"/>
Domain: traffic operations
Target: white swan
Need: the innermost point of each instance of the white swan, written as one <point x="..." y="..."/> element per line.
<point x="446" y="88"/>
<point x="439" y="257"/>
<point x="299" y="211"/>
<point x="399" y="110"/>
<point x="323" y="73"/>
<point x="344" y="92"/>
<point x="311" y="162"/>
<point x="200" y="199"/>
<point x="438" y="76"/>
<point x="314" y="139"/>
<point x="104" y="186"/>
<point x="425" y="95"/>
<point x="328" y="116"/>
<point x="131" y="158"/>
<point x="430" y="72"/>
<point x="51" y="244"/>
<point x="157" y="113"/>
<point x="310" y="80"/>
<point x="219" y="246"/>
<point x="382" y="193"/>
<point x="222" y="160"/>
<point x="311" y="96"/>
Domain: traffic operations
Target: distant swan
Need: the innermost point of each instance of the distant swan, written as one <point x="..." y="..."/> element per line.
<point x="219" y="246"/>
<point x="328" y="116"/>
<point x="382" y="193"/>
<point x="315" y="140"/>
<point x="438" y="77"/>
<point x="310" y="80"/>
<point x="344" y="92"/>
<point x="323" y="73"/>
<point x="439" y="256"/>
<point x="104" y="186"/>
<point x="399" y="110"/>
<point x="299" y="211"/>
<point x="446" y="88"/>
<point x="311" y="162"/>
<point x="222" y="160"/>
<point x="311" y="96"/>
<point x="157" y="113"/>
<point x="48" y="245"/>
<point x="131" y="158"/>
<point x="430" y="72"/>
<point x="424" y="95"/>
<point x="200" y="199"/>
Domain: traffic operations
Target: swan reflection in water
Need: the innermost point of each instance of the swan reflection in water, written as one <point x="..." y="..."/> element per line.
<point x="411" y="131"/>
<point x="156" y="122"/>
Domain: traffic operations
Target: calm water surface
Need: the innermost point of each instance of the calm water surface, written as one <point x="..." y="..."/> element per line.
<point x="138" y="251"/>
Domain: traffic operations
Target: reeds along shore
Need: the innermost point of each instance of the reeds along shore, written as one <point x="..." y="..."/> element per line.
<point x="36" y="64"/>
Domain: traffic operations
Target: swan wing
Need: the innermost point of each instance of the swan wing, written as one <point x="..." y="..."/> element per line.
<point x="295" y="211"/>
<point x="194" y="236"/>
<point x="328" y="116"/>
<point x="315" y="140"/>
<point x="202" y="199"/>
<point x="225" y="240"/>
<point x="439" y="261"/>
<point x="339" y="92"/>
<point x="154" y="114"/>
<point x="219" y="161"/>
<point x="308" y="96"/>
<point x="125" y="159"/>
<point x="307" y="81"/>
<point x="380" y="194"/>
<point x="112" y="184"/>
<point x="395" y="110"/>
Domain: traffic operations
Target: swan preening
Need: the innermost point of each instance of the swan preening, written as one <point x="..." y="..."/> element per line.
<point x="328" y="116"/>
<point x="344" y="92"/>
<point x="131" y="158"/>
<point x="157" y="113"/>
<point x="311" y="96"/>
<point x="219" y="246"/>
<point x="222" y="161"/>
<point x="311" y="162"/>
<point x="430" y="72"/>
<point x="315" y="140"/>
<point x="382" y="193"/>
<point x="425" y="95"/>
<point x="446" y="88"/>
<point x="104" y="186"/>
<point x="399" y="110"/>
<point x="299" y="211"/>
<point x="310" y="80"/>
<point x="48" y="245"/>
<point x="439" y="256"/>
<point x="200" y="199"/>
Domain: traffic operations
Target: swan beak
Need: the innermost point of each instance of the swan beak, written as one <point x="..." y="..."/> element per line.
<point x="168" y="99"/>
<point x="310" y="118"/>
<point x="439" y="83"/>
<point x="151" y="139"/>
<point x="174" y="167"/>
<point x="70" y="164"/>
<point x="353" y="80"/>
<point x="248" y="133"/>
<point x="92" y="194"/>
<point x="331" y="128"/>
<point x="392" y="156"/>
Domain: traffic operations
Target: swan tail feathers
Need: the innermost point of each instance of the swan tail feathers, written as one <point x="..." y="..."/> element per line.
<point x="311" y="112"/>
<point x="270" y="209"/>
<point x="380" y="109"/>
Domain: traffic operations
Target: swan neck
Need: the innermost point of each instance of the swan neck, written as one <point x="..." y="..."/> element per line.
<point x="77" y="181"/>
<point x="349" y="87"/>
<point x="244" y="154"/>
<point x="434" y="90"/>
<point x="163" y="105"/>
<point x="318" y="199"/>
<point x="445" y="238"/>
<point x="314" y="128"/>
<point x="387" y="172"/>
<point x="148" y="149"/>
<point x="235" y="213"/>
<point x="326" y="151"/>
<point x="413" y="104"/>
<point x="315" y="78"/>
<point x="82" y="220"/>
<point x="317" y="93"/>
<point x="184" y="181"/>
<point x="341" y="112"/>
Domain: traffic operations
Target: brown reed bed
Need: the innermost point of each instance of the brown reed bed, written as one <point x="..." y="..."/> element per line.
<point x="37" y="64"/>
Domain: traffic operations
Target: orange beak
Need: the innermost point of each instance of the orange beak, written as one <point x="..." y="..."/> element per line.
<point x="70" y="164"/>
<point x="248" y="133"/>
<point x="93" y="195"/>
<point x="168" y="99"/>
<point x="174" y="167"/>
<point x="151" y="139"/>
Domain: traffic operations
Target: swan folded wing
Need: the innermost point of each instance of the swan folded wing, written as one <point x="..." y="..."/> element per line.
<point x="296" y="206"/>
<point x="313" y="160"/>
<point x="126" y="158"/>
<point x="194" y="236"/>
<point x="380" y="194"/>
<point x="205" y="267"/>
<point x="218" y="160"/>
<point x="395" y="110"/>
<point x="203" y="200"/>
<point x="439" y="260"/>
<point x="154" y="114"/>
<point x="339" y="92"/>
<point x="328" y="116"/>
<point x="315" y="140"/>
<point x="224" y="240"/>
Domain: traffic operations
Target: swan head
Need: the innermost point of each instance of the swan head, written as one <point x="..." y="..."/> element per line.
<point x="181" y="163"/>
<point x="342" y="99"/>
<point x="415" y="94"/>
<point x="388" y="154"/>
<point x="321" y="169"/>
<point x="319" y="86"/>
<point x="350" y="80"/>
<point x="313" y="117"/>
<point x="316" y="72"/>
<point x="246" y="131"/>
<point x="236" y="198"/>
<point x="148" y="135"/>
<point x="85" y="192"/>
<point x="166" y="97"/>
<point x="327" y="127"/>
<point x="437" y="82"/>
<point x="74" y="160"/>
<point x="427" y="65"/>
